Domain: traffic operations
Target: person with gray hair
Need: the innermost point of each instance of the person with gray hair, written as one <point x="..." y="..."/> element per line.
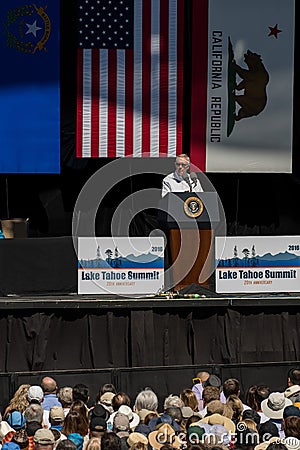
<point x="173" y="400"/>
<point x="65" y="396"/>
<point x="181" y="180"/>
<point x="146" y="399"/>
<point x="146" y="403"/>
<point x="34" y="417"/>
<point x="34" y="413"/>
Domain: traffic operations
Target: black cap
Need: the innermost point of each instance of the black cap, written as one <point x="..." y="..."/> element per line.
<point x="99" y="411"/>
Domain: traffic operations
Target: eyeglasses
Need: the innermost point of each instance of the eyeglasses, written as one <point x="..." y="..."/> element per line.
<point x="180" y="164"/>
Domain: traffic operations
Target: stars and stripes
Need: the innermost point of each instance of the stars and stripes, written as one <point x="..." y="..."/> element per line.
<point x="130" y="77"/>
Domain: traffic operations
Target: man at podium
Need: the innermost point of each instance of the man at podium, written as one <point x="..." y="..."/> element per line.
<point x="189" y="232"/>
<point x="181" y="180"/>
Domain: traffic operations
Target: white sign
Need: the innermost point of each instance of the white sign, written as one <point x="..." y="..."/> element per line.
<point x="258" y="264"/>
<point x="120" y="265"/>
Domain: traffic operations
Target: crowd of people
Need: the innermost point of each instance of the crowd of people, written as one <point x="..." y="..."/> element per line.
<point x="208" y="415"/>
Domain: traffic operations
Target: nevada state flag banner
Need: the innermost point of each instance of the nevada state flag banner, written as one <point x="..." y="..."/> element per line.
<point x="242" y="85"/>
<point x="29" y="87"/>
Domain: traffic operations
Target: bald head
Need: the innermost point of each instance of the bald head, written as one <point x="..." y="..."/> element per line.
<point x="49" y="385"/>
<point x="204" y="376"/>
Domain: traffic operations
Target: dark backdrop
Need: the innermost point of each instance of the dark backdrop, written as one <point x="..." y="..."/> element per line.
<point x="125" y="337"/>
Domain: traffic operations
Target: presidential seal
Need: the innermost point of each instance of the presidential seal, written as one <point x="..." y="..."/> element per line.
<point x="193" y="207"/>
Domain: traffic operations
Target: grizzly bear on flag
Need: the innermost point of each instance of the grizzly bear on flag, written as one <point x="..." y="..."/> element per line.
<point x="254" y="82"/>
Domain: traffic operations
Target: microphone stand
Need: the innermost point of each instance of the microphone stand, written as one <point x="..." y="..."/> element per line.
<point x="190" y="184"/>
<point x="186" y="178"/>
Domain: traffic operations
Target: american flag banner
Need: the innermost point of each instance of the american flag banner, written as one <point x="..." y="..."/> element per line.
<point x="129" y="78"/>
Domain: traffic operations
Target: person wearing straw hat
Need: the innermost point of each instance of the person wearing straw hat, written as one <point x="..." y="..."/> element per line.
<point x="137" y="438"/>
<point x="164" y="434"/>
<point x="273" y="407"/>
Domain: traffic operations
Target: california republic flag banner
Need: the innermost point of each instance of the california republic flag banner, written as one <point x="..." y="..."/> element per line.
<point x="242" y="85"/>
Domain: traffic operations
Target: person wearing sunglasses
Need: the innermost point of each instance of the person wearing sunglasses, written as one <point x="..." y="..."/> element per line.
<point x="181" y="180"/>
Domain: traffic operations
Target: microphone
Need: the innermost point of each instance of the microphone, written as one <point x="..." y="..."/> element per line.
<point x="194" y="178"/>
<point x="186" y="178"/>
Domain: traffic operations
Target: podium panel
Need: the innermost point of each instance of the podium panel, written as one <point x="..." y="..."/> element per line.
<point x="188" y="218"/>
<point x="182" y="246"/>
<point x="189" y="210"/>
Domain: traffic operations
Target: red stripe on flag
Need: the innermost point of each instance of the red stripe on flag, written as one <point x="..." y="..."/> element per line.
<point x="199" y="82"/>
<point x="164" y="81"/>
<point x="180" y="65"/>
<point x="129" y="103"/>
<point x="146" y="83"/>
<point x="93" y="126"/>
<point x="79" y="104"/>
<point x="95" y="104"/>
<point x="112" y="97"/>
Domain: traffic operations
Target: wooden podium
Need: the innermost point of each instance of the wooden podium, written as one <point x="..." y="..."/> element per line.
<point x="189" y="218"/>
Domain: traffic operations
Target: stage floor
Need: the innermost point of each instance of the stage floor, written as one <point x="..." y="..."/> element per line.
<point x="49" y="301"/>
<point x="41" y="273"/>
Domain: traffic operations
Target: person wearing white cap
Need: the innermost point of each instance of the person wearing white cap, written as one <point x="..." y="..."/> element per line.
<point x="5" y="430"/>
<point x="293" y="393"/>
<point x="35" y="394"/>
<point x="134" y="419"/>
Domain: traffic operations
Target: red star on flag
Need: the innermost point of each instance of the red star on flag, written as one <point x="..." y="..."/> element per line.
<point x="274" y="31"/>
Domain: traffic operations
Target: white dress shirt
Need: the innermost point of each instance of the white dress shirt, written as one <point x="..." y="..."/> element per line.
<point x="175" y="183"/>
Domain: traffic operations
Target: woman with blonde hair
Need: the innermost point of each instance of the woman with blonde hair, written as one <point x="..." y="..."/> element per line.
<point x="236" y="405"/>
<point x="94" y="444"/>
<point x="189" y="399"/>
<point x="250" y="424"/>
<point x="19" y="402"/>
<point x="228" y="412"/>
